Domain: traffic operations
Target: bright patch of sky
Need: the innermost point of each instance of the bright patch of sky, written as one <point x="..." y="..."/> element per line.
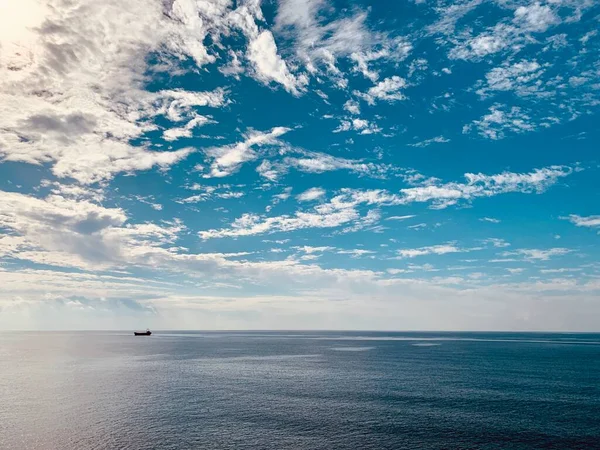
<point x="299" y="164"/>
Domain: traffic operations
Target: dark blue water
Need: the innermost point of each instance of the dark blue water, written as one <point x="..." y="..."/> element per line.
<point x="299" y="391"/>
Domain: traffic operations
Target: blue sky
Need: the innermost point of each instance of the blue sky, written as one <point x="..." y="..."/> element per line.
<point x="300" y="164"/>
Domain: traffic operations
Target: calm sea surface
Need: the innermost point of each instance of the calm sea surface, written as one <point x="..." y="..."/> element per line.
<point x="271" y="390"/>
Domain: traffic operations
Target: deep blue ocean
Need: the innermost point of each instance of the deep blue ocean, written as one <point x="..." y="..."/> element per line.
<point x="299" y="390"/>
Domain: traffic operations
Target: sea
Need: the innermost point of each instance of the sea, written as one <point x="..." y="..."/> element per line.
<point x="299" y="390"/>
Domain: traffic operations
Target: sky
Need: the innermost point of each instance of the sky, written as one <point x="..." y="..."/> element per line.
<point x="300" y="164"/>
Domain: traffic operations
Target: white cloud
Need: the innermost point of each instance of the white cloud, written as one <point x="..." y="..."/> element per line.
<point x="490" y="219"/>
<point x="521" y="77"/>
<point x="387" y="90"/>
<point x="172" y="134"/>
<point x="499" y="121"/>
<point x="356" y="253"/>
<point x="352" y="106"/>
<point x="74" y="191"/>
<point x="535" y="17"/>
<point x="340" y="210"/>
<point x="489" y="42"/>
<point x="583" y="221"/>
<point x="400" y="217"/>
<point x="234" y="68"/>
<point x="431" y="250"/>
<point x="508" y="34"/>
<point x="428" y="142"/>
<point x="311" y="194"/>
<point x="76" y="103"/>
<point x="262" y="52"/>
<point x="532" y="254"/>
<point x="498" y="243"/>
<point x="228" y="159"/>
<point x="481" y="185"/>
<point x="397" y="49"/>
<point x="212" y="192"/>
<point x="149" y="200"/>
<point x="361" y="125"/>
<point x="316" y="162"/>
<point x="320" y="40"/>
<point x="56" y="230"/>
<point x="561" y="270"/>
<point x="310" y="249"/>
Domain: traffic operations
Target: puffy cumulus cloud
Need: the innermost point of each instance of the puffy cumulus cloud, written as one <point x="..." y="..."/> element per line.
<point x="388" y="90"/>
<point x="228" y="159"/>
<point x="62" y="232"/>
<point x="262" y="50"/>
<point x="72" y="81"/>
<point x="56" y="230"/>
<point x="363" y="126"/>
<point x="535" y="17"/>
<point x="269" y="66"/>
<point x="352" y="106"/>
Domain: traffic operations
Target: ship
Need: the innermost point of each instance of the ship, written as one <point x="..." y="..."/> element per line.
<point x="142" y="333"/>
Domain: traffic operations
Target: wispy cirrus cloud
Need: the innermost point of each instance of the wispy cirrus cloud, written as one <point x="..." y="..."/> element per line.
<point x="441" y="249"/>
<point x="410" y="216"/>
<point x="428" y="142"/>
<point x="317" y="162"/>
<point x="490" y="220"/>
<point x="532" y="254"/>
<point x="583" y="221"/>
<point x="209" y="192"/>
<point x="442" y="195"/>
<point x="342" y="208"/>
<point x="228" y="159"/>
